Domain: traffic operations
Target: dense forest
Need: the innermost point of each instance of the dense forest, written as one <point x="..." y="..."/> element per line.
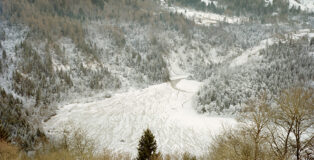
<point x="283" y="65"/>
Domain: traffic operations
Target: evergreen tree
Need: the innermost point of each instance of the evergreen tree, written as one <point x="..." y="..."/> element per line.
<point x="147" y="146"/>
<point x="4" y="54"/>
<point x="99" y="3"/>
<point x="312" y="41"/>
<point x="38" y="97"/>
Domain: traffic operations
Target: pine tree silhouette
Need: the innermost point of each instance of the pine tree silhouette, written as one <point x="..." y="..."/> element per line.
<point x="147" y="146"/>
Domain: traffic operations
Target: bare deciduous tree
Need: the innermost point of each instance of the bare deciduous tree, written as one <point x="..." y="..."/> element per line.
<point x="256" y="117"/>
<point x="293" y="122"/>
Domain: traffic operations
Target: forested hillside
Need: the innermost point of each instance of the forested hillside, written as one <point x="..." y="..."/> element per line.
<point x="58" y="52"/>
<point x="282" y="65"/>
<point x="48" y="50"/>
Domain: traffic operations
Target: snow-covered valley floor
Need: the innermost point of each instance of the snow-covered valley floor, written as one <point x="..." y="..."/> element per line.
<point x="118" y="122"/>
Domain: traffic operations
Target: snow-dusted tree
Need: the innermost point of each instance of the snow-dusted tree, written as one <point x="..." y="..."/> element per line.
<point x="147" y="146"/>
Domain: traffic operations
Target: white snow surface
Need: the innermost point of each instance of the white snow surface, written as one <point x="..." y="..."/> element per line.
<point x="210" y="1"/>
<point x="269" y="2"/>
<point x="205" y="18"/>
<point x="188" y="85"/>
<point x="175" y="72"/>
<point x="117" y="123"/>
<point x="251" y="53"/>
<point x="305" y="5"/>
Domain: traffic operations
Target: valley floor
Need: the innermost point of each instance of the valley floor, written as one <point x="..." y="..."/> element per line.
<point x="117" y="123"/>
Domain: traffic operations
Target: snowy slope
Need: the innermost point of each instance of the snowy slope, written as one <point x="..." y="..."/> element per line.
<point x="305" y="5"/>
<point x="175" y="72"/>
<point x="205" y="18"/>
<point x="210" y="1"/>
<point x="252" y="54"/>
<point x="117" y="123"/>
<point x="14" y="36"/>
